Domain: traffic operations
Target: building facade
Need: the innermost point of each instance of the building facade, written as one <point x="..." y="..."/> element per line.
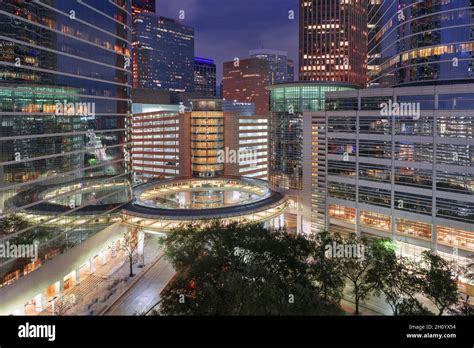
<point x="205" y="77"/>
<point x="333" y="41"/>
<point x="286" y="151"/>
<point x="215" y="138"/>
<point x="420" y="42"/>
<point x="246" y="80"/>
<point x="291" y="71"/>
<point x="277" y="62"/>
<point x="143" y="5"/>
<point x="65" y="105"/>
<point x="163" y="53"/>
<point x="402" y="171"/>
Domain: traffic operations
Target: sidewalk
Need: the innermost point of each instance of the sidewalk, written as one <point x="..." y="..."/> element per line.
<point x="98" y="290"/>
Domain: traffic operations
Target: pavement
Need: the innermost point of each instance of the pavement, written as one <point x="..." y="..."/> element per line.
<point x="144" y="293"/>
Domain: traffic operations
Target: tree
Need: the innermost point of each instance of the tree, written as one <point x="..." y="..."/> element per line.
<point x="130" y="246"/>
<point x="326" y="271"/>
<point x="400" y="283"/>
<point x="463" y="307"/>
<point x="12" y="224"/>
<point x="439" y="283"/>
<point x="412" y="307"/>
<point x="239" y="269"/>
<point x="399" y="277"/>
<point x="362" y="272"/>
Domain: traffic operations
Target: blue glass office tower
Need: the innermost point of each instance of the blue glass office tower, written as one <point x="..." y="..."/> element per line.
<point x="65" y="101"/>
<point x="163" y="54"/>
<point x="205" y="77"/>
<point x="418" y="42"/>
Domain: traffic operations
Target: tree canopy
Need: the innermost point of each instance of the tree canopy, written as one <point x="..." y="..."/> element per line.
<point x="240" y="269"/>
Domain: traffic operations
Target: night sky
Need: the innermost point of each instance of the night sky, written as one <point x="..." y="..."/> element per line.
<point x="225" y="29"/>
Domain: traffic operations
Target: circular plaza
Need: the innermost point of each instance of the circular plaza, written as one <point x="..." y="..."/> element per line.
<point x="160" y="206"/>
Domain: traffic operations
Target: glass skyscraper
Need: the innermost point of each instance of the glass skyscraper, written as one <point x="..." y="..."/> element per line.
<point x="163" y="53"/>
<point x="418" y="42"/>
<point x="289" y="101"/>
<point x="204" y="77"/>
<point x="278" y="63"/>
<point x="65" y="85"/>
<point x="285" y="139"/>
<point x="333" y="41"/>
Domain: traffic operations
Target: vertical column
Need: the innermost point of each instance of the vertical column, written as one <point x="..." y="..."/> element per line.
<point x="434" y="229"/>
<point x="392" y="175"/>
<point x="40" y="301"/>
<point x="59" y="287"/>
<point x="103" y="255"/>
<point x="357" y="158"/>
<point x="77" y="276"/>
<point x="91" y="265"/>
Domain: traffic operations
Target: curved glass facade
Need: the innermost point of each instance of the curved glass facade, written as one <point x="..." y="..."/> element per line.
<point x="420" y="41"/>
<point x="289" y="101"/>
<point x="65" y="85"/>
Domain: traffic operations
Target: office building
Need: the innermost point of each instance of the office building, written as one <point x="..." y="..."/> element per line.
<point x="205" y="77"/>
<point x="143" y="5"/>
<point x="216" y="138"/>
<point x="65" y="101"/>
<point x="333" y="41"/>
<point x="285" y="141"/>
<point x="246" y="80"/>
<point x="291" y="71"/>
<point x="163" y="53"/>
<point x="277" y="62"/>
<point x="398" y="164"/>
<point x="420" y="42"/>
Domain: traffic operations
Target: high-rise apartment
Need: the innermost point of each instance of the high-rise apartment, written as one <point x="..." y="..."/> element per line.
<point x="246" y="80"/>
<point x="333" y="41"/>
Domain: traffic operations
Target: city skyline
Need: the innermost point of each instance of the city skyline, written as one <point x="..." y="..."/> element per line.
<point x="238" y="26"/>
<point x="187" y="158"/>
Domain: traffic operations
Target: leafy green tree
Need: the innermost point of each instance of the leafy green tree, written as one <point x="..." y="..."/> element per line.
<point x="412" y="307"/>
<point x="439" y="283"/>
<point x="12" y="224"/>
<point x="400" y="283"/>
<point x="400" y="279"/>
<point x="239" y="269"/>
<point x="326" y="271"/>
<point x="363" y="272"/>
